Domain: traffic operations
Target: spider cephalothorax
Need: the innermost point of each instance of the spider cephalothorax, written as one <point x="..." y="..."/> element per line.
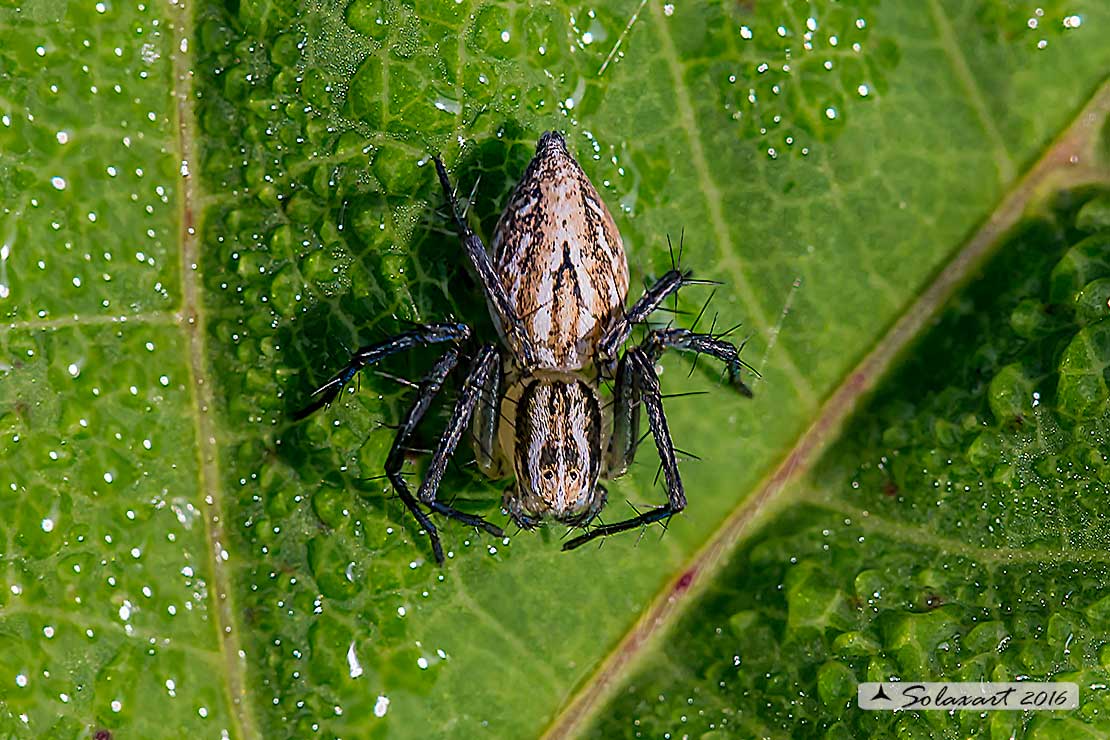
<point x="556" y="286"/>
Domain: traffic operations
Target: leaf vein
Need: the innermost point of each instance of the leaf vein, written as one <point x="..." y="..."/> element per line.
<point x="714" y="202"/>
<point x="202" y="386"/>
<point x="1007" y="170"/>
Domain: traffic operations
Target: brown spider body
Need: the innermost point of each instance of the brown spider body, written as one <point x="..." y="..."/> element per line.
<point x="561" y="260"/>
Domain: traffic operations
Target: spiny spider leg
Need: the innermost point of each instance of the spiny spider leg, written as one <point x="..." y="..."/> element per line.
<point x="649" y="302"/>
<point x="659" y="340"/>
<point x="626" y="420"/>
<point x="627" y="393"/>
<point x="487" y="420"/>
<point x="372" y="353"/>
<point x="429" y="389"/>
<point x="511" y="324"/>
<point x="640" y="365"/>
<point x="476" y="379"/>
<point x="652" y="298"/>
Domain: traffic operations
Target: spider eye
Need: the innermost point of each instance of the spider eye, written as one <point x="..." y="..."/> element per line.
<point x="548" y="475"/>
<point x="574" y="475"/>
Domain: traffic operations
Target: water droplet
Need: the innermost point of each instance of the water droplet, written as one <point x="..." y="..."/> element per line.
<point x="149" y="53"/>
<point x="353" y="664"/>
<point x="447" y="105"/>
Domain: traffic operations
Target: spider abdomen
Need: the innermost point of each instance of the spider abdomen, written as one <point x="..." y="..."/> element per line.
<point x="560" y="257"/>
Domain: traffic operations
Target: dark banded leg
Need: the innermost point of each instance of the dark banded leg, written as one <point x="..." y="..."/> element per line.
<point x="373" y="353"/>
<point x="429" y="388"/>
<point x="652" y="298"/>
<point x="627" y="394"/>
<point x="477" y="377"/>
<point x="511" y="324"/>
<point x="626" y="420"/>
<point x="660" y="340"/>
<point x="640" y="366"/>
<point x="487" y="421"/>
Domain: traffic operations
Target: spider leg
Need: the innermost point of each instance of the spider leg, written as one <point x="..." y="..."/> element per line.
<point x="477" y="377"/>
<point x="626" y="420"/>
<point x="511" y="323"/>
<point x="649" y="302"/>
<point x="429" y="388"/>
<point x="487" y="418"/>
<point x="659" y="340"/>
<point x="373" y="353"/>
<point x="640" y="365"/>
<point x="652" y="298"/>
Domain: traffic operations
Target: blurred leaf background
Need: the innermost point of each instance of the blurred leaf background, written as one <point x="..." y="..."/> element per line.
<point x="204" y="207"/>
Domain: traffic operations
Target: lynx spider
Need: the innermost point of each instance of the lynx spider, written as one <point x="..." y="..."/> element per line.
<point x="556" y="287"/>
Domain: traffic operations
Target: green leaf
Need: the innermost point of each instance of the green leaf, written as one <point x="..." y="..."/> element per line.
<point x="203" y="209"/>
<point x="957" y="530"/>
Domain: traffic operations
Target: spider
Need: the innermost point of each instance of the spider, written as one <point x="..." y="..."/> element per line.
<point x="556" y="286"/>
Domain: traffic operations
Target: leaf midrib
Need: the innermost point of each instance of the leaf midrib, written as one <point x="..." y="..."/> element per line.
<point x="193" y="325"/>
